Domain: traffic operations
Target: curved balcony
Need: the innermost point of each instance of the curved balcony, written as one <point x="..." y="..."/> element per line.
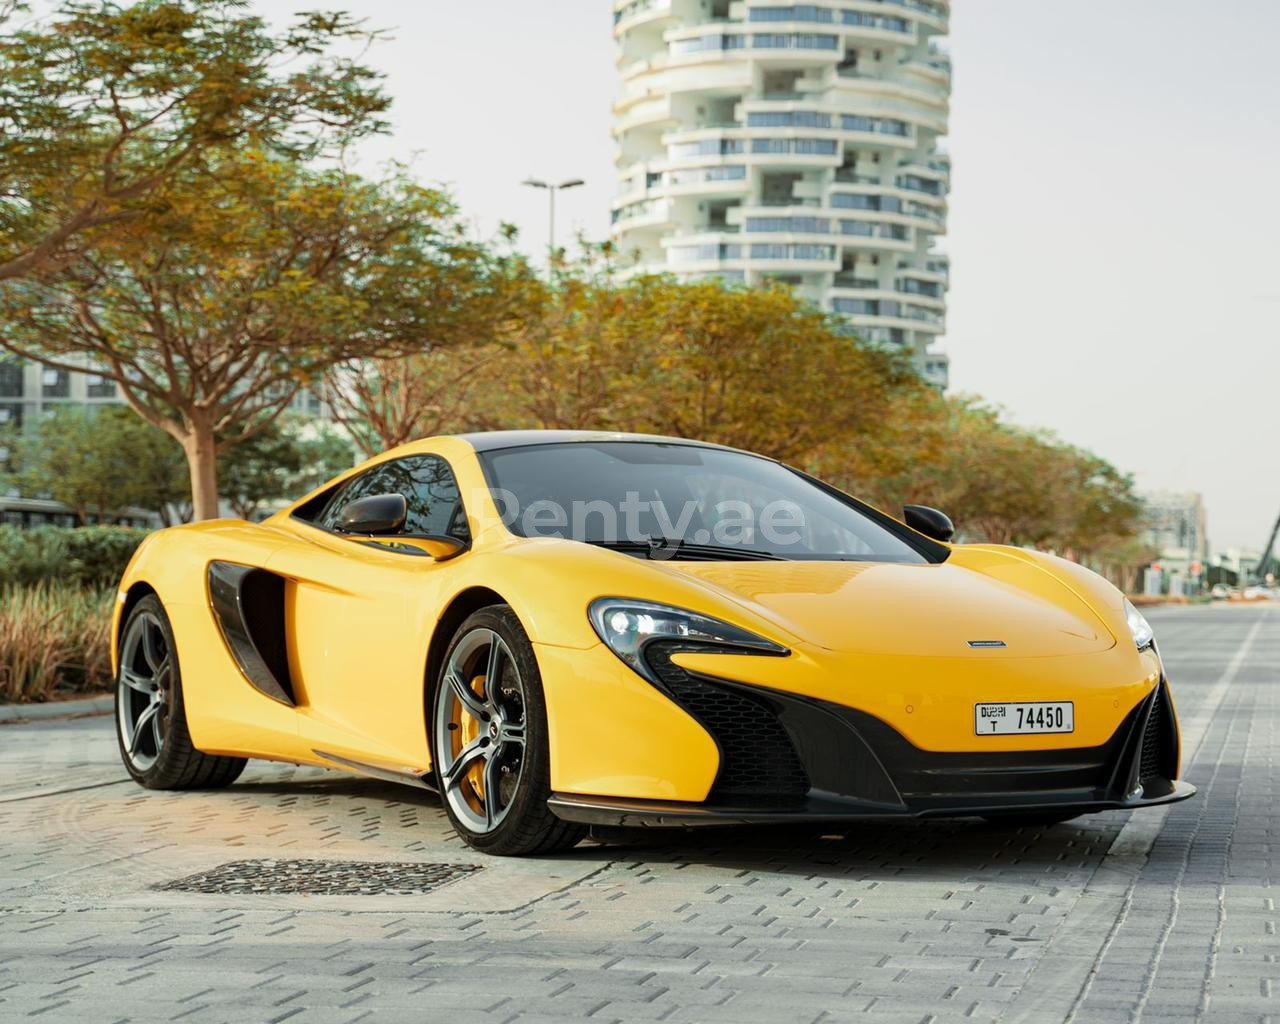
<point x="886" y="309"/>
<point x="824" y="225"/>
<point x="627" y="14"/>
<point x="726" y="251"/>
<point x="641" y="214"/>
<point x="798" y="17"/>
<point x="722" y="179"/>
<point x="892" y="207"/>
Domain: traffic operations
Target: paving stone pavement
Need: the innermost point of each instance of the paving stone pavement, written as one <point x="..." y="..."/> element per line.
<point x="1163" y="915"/>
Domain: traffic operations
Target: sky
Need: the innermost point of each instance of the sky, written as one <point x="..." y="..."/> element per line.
<point x="1114" y="228"/>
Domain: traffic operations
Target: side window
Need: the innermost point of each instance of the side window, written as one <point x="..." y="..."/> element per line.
<point x="429" y="488"/>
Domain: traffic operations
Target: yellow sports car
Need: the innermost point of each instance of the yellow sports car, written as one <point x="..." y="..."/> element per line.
<point x="556" y="629"/>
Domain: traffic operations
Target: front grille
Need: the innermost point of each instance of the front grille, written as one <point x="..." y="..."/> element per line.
<point x="1155" y="752"/>
<point x="756" y="754"/>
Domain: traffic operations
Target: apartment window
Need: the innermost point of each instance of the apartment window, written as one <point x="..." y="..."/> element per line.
<point x="702" y="44"/>
<point x="853" y="201"/>
<point x="771" y="145"/>
<point x="55" y="384"/>
<point x="10" y="414"/>
<point x="857" y="307"/>
<point x="706" y="147"/>
<point x="100" y="387"/>
<point x="799" y="12"/>
<point x="796" y="41"/>
<point x="703" y="253"/>
<point x="816" y="147"/>
<point x="918" y="184"/>
<point x="913" y="287"/>
<point x="788" y="119"/>
<point x="884" y="125"/>
<point x="765" y="251"/>
<point x="12" y="372"/>
<point x="802" y="225"/>
<point x="802" y="147"/>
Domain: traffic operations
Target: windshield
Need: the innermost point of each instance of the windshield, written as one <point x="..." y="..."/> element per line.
<point x="665" y="500"/>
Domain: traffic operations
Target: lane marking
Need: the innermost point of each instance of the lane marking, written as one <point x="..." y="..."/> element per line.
<point x="1064" y="972"/>
<point x="1138" y="836"/>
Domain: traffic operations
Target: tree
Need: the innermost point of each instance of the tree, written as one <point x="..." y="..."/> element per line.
<point x="99" y="462"/>
<point x="1000" y="483"/>
<point x="385" y="402"/>
<point x="756" y="368"/>
<point x="257" y="277"/>
<point x="102" y="105"/>
<point x="281" y="462"/>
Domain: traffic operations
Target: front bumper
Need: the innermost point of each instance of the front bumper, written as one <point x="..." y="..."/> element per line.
<point x="786" y="758"/>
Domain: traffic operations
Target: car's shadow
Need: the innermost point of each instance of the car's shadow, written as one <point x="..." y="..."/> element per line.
<point x="870" y="849"/>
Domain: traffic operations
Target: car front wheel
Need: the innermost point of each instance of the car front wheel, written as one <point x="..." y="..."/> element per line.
<point x="489" y="743"/>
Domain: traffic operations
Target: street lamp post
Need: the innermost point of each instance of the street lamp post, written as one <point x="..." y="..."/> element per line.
<point x="552" y="189"/>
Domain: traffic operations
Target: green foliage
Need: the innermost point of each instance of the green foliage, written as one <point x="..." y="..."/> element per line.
<point x="282" y="462"/>
<point x="92" y="556"/>
<point x="756" y="368"/>
<point x="1000" y="483"/>
<point x="103" y="103"/>
<point x="762" y="370"/>
<point x="100" y="462"/>
<point x="256" y="278"/>
<point x="54" y="641"/>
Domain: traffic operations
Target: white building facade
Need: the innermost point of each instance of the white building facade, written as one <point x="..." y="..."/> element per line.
<point x="796" y="142"/>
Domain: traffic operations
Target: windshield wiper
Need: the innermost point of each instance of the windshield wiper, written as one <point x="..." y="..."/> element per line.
<point x="664" y="548"/>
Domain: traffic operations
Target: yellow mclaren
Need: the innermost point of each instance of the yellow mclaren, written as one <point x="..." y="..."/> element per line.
<point x="559" y="629"/>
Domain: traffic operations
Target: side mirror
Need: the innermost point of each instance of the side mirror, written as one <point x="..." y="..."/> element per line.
<point x="380" y="518"/>
<point x="929" y="521"/>
<point x="376" y="514"/>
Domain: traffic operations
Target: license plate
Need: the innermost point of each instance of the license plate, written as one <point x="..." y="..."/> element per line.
<point x="1019" y="719"/>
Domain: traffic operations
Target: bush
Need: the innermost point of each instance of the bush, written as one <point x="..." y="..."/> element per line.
<point x="54" y="640"/>
<point x="92" y="557"/>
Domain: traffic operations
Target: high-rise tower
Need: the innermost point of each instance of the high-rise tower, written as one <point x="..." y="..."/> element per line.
<point x="797" y="142"/>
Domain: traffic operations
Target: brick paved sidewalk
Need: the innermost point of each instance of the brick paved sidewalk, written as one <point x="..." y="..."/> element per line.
<point x="1107" y="918"/>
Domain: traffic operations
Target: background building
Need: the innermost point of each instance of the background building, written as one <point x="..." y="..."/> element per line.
<point x="1177" y="527"/>
<point x="29" y="392"/>
<point x="793" y="142"/>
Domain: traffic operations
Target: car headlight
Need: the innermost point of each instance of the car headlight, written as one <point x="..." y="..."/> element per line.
<point x="1143" y="635"/>
<point x="626" y="626"/>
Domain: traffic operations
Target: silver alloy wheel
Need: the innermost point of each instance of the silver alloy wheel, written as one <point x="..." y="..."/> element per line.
<point x="144" y="690"/>
<point x="480" y="733"/>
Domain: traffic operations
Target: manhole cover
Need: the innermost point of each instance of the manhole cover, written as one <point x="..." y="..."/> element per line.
<point x="322" y="878"/>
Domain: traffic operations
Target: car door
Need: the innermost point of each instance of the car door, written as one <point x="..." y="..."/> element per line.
<point x="359" y="616"/>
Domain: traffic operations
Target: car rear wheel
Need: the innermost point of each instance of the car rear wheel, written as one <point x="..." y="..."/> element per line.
<point x="151" y="720"/>
<point x="489" y="742"/>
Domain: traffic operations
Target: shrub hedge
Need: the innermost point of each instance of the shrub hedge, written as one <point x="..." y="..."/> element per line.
<point x="92" y="556"/>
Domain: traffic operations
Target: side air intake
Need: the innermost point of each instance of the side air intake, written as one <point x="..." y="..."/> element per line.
<point x="248" y="605"/>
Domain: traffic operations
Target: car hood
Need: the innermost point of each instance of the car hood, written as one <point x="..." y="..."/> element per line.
<point x="924" y="610"/>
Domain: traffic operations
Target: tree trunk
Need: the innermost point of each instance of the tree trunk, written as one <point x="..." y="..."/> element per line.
<point x="202" y="461"/>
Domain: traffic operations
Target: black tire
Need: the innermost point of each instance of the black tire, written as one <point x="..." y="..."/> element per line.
<point x="1030" y="819"/>
<point x="526" y="825"/>
<point x="157" y="752"/>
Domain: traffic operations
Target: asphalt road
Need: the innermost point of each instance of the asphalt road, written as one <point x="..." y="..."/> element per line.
<point x="1163" y="915"/>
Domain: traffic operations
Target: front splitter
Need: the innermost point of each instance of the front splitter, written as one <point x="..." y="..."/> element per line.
<point x="619" y="811"/>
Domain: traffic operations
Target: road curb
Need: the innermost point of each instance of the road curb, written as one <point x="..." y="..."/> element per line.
<point x="56" y="709"/>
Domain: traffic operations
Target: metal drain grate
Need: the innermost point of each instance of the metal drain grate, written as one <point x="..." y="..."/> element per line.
<point x="321" y="878"/>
